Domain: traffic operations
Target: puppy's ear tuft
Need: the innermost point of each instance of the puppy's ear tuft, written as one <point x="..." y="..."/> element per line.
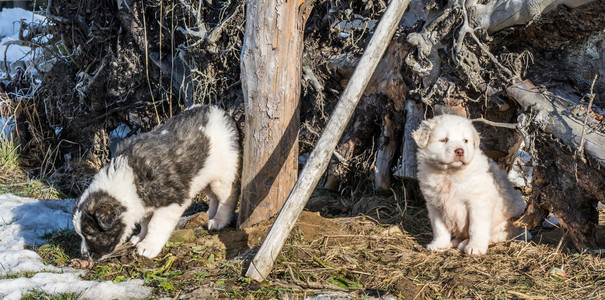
<point x="422" y="134"/>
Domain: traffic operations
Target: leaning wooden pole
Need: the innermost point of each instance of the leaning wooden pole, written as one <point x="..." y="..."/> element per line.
<point x="261" y="265"/>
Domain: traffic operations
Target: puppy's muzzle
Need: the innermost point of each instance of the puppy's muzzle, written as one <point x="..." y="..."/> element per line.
<point x="120" y="250"/>
<point x="459" y="155"/>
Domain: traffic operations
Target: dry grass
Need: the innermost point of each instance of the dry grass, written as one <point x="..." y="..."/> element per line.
<point x="380" y="259"/>
<point x="356" y="257"/>
<point x="15" y="181"/>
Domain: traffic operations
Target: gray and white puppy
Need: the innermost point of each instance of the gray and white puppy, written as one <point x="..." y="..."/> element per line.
<point x="153" y="178"/>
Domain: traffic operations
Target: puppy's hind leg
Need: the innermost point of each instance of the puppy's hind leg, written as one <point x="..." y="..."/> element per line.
<point x="501" y="231"/>
<point x="212" y="202"/>
<point x="227" y="199"/>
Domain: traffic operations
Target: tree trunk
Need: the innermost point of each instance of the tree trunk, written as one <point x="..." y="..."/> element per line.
<point x="270" y="74"/>
<point x="554" y="118"/>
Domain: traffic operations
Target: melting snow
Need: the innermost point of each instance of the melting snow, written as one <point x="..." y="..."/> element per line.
<point x="23" y="222"/>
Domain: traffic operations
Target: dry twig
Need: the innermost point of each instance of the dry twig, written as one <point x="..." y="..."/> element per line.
<point x="580" y="151"/>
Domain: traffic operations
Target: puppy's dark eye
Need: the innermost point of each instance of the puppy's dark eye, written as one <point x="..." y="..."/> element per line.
<point x="465" y="141"/>
<point x="444" y="140"/>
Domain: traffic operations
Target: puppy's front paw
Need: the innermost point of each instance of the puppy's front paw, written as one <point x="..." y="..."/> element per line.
<point x="135" y="240"/>
<point x="149" y="249"/>
<point x="439" y="245"/>
<point x="474" y="249"/>
<point x="216" y="224"/>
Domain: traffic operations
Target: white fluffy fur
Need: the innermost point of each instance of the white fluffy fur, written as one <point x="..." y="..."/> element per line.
<point x="468" y="197"/>
<point x="218" y="184"/>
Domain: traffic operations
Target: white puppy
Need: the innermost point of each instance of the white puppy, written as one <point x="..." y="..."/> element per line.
<point x="469" y="198"/>
<point x="153" y="179"/>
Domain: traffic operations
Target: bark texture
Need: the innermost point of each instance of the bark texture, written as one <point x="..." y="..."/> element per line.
<point x="568" y="188"/>
<point x="270" y="72"/>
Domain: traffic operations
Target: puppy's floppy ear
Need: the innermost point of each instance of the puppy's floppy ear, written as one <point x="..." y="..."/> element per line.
<point x="105" y="209"/>
<point x="476" y="138"/>
<point x="422" y="134"/>
<point x="107" y="216"/>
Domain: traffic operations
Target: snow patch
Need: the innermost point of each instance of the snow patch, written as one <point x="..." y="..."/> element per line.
<point x="9" y="32"/>
<point x="23" y="222"/>
<point x="71" y="283"/>
<point x="522" y="171"/>
<point x="6" y="127"/>
<point x="551" y="222"/>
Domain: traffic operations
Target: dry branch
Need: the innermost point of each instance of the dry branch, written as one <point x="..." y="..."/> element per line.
<point x="262" y="263"/>
<point x="470" y="19"/>
<point x="379" y="109"/>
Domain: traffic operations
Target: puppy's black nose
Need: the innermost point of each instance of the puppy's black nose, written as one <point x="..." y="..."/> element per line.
<point x="459" y="152"/>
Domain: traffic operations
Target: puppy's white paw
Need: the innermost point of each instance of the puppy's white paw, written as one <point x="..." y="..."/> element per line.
<point x="216" y="224"/>
<point x="135" y="239"/>
<point x="474" y="249"/>
<point x="149" y="249"/>
<point x="439" y="245"/>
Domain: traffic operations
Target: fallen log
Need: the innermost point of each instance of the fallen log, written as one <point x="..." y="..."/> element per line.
<point x="563" y="182"/>
<point x="261" y="265"/>
<point x="553" y="114"/>
<point x="497" y="15"/>
<point x="568" y="188"/>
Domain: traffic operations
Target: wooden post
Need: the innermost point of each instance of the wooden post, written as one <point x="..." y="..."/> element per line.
<point x="414" y="114"/>
<point x="261" y="265"/>
<point x="271" y="71"/>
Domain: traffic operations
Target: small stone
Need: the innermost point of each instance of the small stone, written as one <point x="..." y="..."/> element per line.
<point x="182" y="235"/>
<point x="393" y="230"/>
<point x="198" y="220"/>
<point x="205" y="292"/>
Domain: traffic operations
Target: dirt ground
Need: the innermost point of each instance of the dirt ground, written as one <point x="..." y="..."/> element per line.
<point x="362" y="256"/>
